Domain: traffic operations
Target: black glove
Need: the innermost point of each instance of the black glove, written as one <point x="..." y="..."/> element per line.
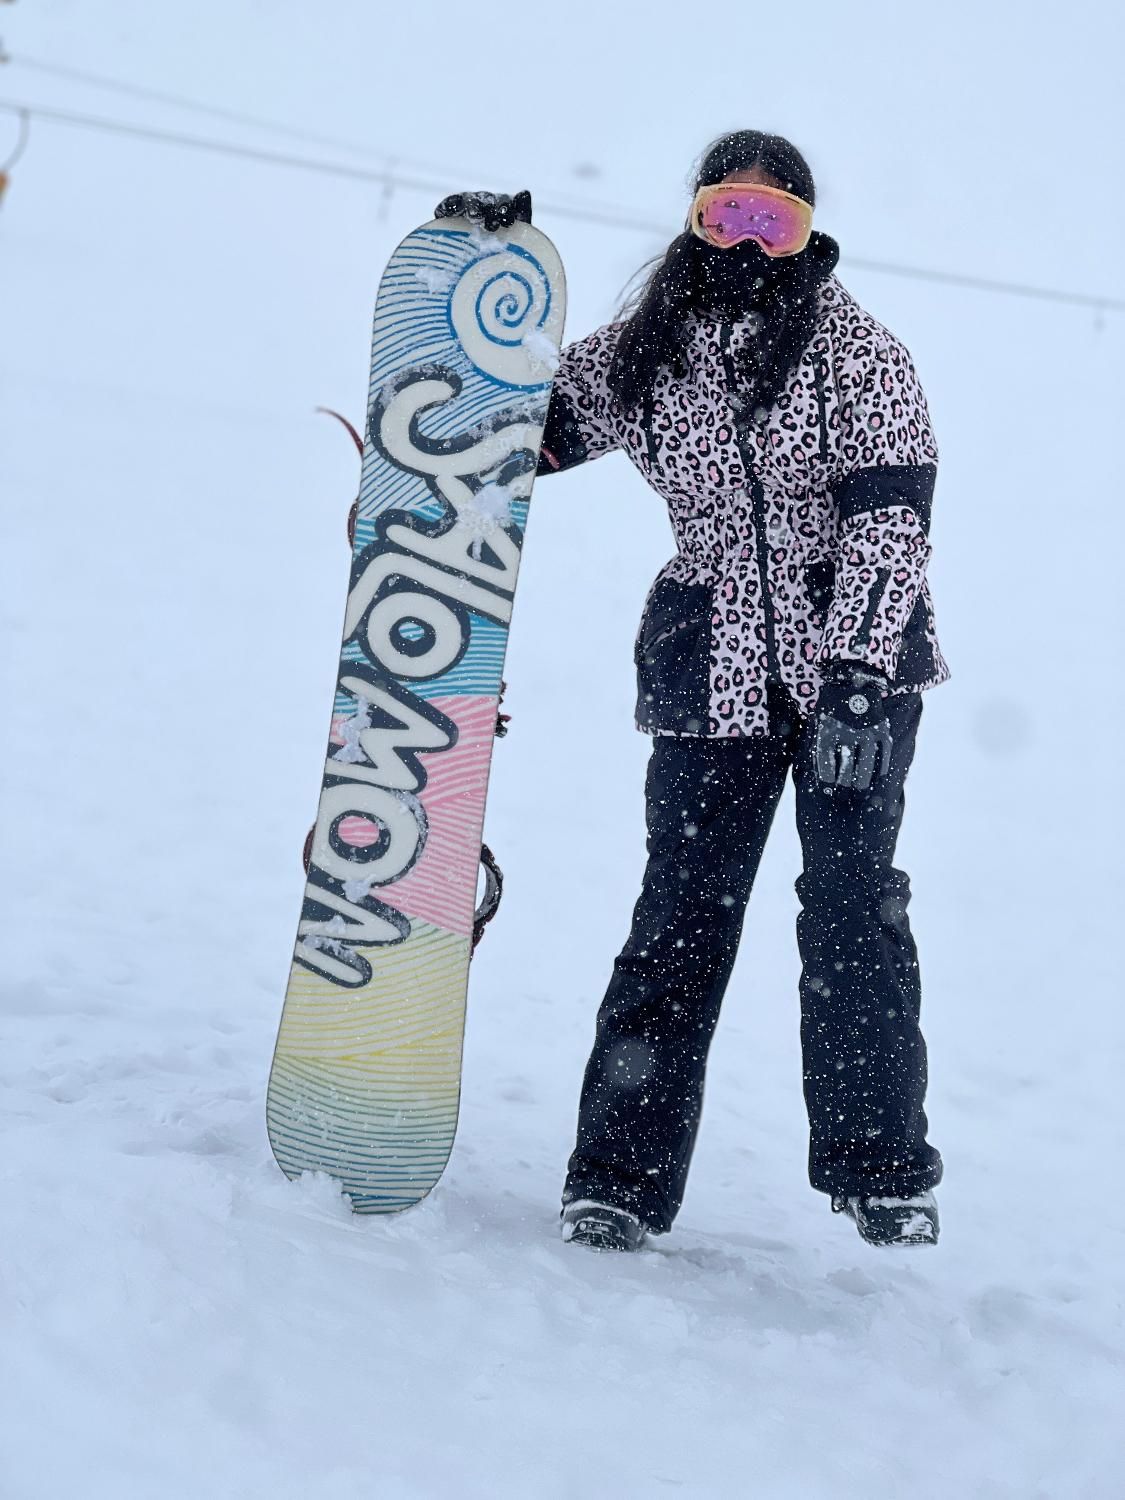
<point x="852" y="729"/>
<point x="493" y="210"/>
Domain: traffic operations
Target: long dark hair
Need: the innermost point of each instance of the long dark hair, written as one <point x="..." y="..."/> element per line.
<point x="692" y="276"/>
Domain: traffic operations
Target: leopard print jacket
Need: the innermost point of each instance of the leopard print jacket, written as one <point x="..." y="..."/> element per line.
<point x="801" y="532"/>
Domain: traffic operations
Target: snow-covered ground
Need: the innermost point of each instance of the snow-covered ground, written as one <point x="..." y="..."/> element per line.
<point x="179" y="1321"/>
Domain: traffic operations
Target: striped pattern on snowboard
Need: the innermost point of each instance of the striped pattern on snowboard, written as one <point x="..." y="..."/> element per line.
<point x="366" y="1075"/>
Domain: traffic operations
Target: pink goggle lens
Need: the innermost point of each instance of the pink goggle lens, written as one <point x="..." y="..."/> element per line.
<point x="727" y="213"/>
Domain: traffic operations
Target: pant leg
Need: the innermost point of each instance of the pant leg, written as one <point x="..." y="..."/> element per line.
<point x="709" y="806"/>
<point x="864" y="1054"/>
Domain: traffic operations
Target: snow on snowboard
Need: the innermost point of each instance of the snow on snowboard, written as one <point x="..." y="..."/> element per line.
<point x="366" y="1074"/>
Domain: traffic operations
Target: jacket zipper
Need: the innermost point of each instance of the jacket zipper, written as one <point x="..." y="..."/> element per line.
<point x="862" y="637"/>
<point x="648" y="418"/>
<point x="818" y="379"/>
<point x="758" y="501"/>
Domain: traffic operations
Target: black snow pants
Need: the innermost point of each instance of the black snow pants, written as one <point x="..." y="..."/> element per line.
<point x="710" y="803"/>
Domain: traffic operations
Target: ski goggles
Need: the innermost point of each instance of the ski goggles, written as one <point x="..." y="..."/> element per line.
<point x="725" y="213"/>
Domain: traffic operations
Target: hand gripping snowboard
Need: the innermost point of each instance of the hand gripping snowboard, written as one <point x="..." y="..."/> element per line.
<point x="366" y="1075"/>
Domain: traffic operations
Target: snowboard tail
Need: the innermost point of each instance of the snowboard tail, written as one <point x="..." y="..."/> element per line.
<point x="366" y="1076"/>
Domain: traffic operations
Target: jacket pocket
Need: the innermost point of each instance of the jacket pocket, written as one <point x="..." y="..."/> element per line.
<point x="673" y="657"/>
<point x="820" y="581"/>
<point x="862" y="638"/>
<point x="820" y="375"/>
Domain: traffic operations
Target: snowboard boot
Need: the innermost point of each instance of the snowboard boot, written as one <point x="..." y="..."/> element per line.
<point x="892" y="1221"/>
<point x="600" y="1226"/>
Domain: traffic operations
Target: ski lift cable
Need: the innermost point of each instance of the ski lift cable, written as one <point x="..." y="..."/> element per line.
<point x="199" y="106"/>
<point x="21" y="143"/>
<point x="257" y="122"/>
<point x="591" y="215"/>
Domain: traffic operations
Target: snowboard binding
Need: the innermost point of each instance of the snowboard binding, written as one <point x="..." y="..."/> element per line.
<point x="493" y="885"/>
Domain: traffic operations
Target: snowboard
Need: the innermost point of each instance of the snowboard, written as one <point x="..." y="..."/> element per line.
<point x="366" y="1076"/>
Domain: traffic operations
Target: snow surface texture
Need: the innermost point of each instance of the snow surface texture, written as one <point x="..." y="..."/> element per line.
<point x="177" y="1320"/>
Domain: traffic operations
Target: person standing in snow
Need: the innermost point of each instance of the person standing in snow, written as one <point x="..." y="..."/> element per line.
<point x="792" y="633"/>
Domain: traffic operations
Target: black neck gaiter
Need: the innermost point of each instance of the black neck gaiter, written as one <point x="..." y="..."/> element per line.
<point x="776" y="299"/>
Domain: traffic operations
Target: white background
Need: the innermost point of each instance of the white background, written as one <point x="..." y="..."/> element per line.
<point x="178" y="1320"/>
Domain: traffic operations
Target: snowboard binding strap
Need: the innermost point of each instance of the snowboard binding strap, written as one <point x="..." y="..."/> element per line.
<point x="353" y="514"/>
<point x="493" y="890"/>
<point x="493" y="886"/>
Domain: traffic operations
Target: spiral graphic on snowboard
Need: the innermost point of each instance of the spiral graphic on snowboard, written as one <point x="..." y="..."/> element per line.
<point x="504" y="314"/>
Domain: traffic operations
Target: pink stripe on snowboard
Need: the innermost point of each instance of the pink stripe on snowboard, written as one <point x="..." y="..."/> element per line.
<point x="441" y="886"/>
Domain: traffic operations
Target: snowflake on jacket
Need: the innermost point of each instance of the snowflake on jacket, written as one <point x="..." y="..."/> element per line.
<point x="801" y="532"/>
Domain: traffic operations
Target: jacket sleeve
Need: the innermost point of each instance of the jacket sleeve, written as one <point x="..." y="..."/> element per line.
<point x="580" y="423"/>
<point x="883" y="497"/>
